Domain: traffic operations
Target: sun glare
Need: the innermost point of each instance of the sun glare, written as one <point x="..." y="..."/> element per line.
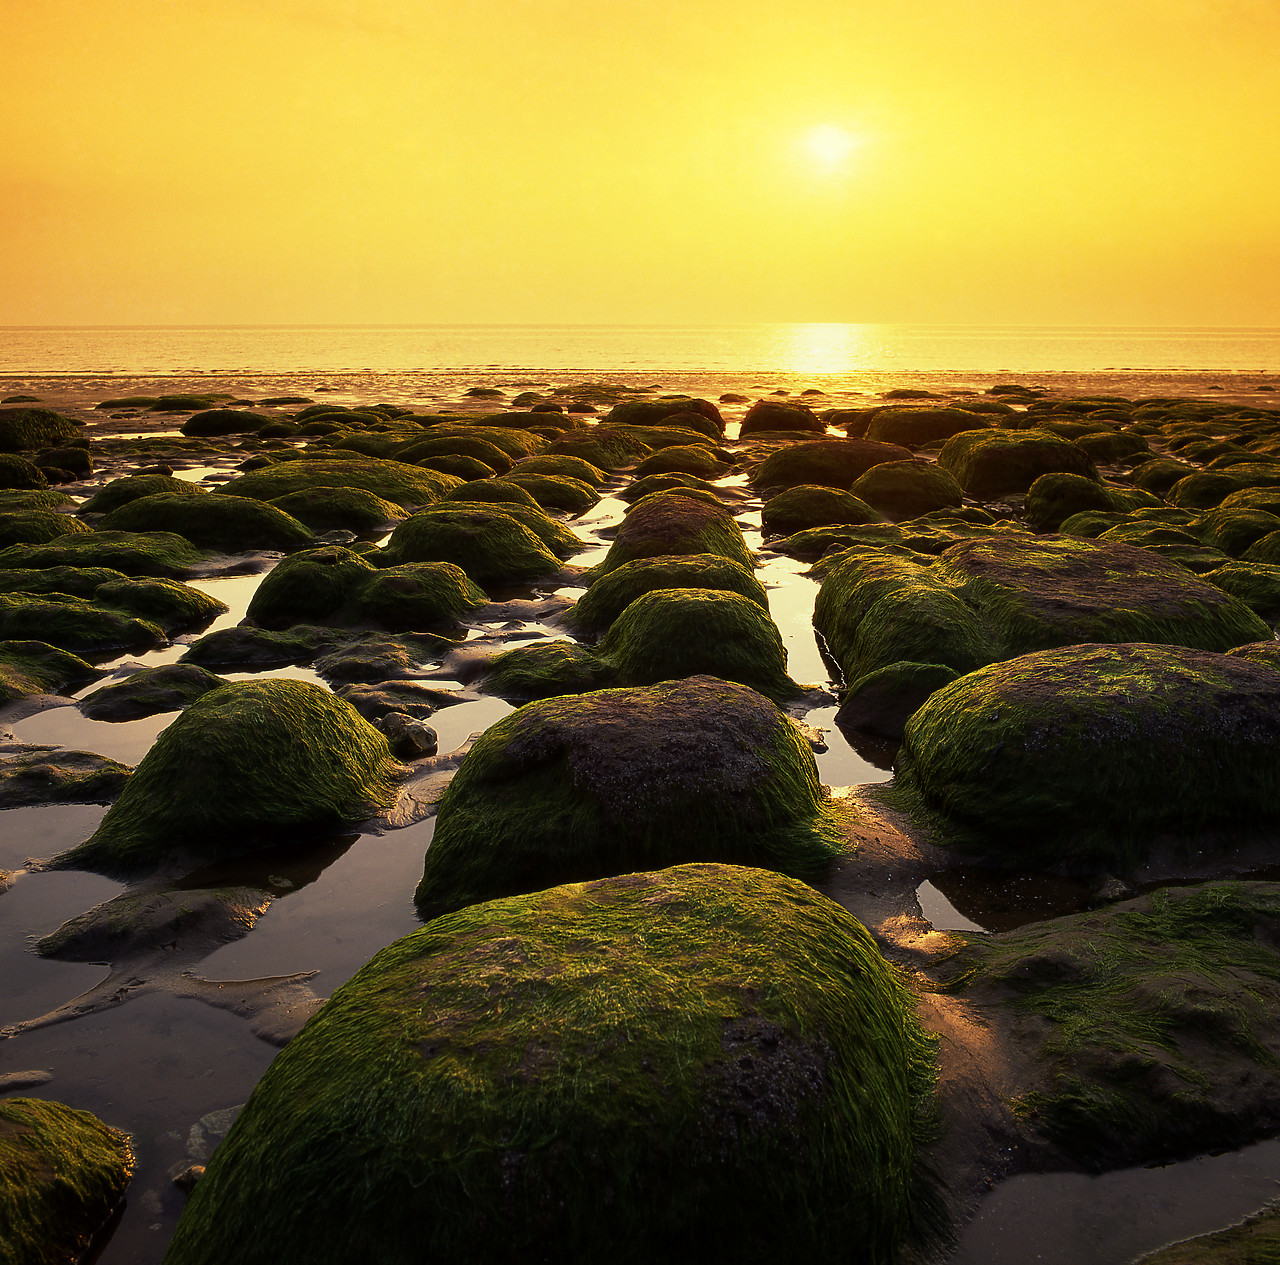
<point x="829" y="145"/>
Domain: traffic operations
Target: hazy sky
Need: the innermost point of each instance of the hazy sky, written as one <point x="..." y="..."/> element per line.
<point x="979" y="161"/>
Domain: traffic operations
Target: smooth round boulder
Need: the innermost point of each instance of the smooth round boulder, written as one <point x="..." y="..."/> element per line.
<point x="771" y="415"/>
<point x="245" y="765"/>
<point x="164" y="689"/>
<point x="995" y="463"/>
<point x="226" y="524"/>
<point x="813" y="505"/>
<point x="485" y="541"/>
<point x="408" y="486"/>
<point x="900" y="490"/>
<point x="580" y="787"/>
<point x="721" y="1057"/>
<point x="835" y="463"/>
<point x="915" y="427"/>
<point x="668" y="523"/>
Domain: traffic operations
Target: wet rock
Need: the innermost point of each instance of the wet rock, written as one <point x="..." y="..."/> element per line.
<point x="881" y="702"/>
<point x="574" y="788"/>
<point x="223" y="524"/>
<point x="35" y="667"/>
<point x="36" y="527"/>
<point x="655" y="412"/>
<point x="602" y="446"/>
<point x="493" y="492"/>
<point x="915" y="427"/>
<point x="545" y="670"/>
<point x="613" y="592"/>
<point x="670" y="523"/>
<point x="991" y="463"/>
<point x="248" y="649"/>
<point x="19" y="473"/>
<point x="772" y="1058"/>
<point x="373" y="658"/>
<point x="186" y="1180"/>
<point x="694" y="459"/>
<point x="408" y="486"/>
<point x="561" y="465"/>
<point x="224" y="421"/>
<point x="62" y="1174"/>
<point x="831" y="462"/>
<point x="170" y="605"/>
<point x="1054" y="498"/>
<point x="243" y="765"/>
<point x="771" y="415"/>
<point x="165" y="689"/>
<point x="76" y="461"/>
<point x="485" y="541"/>
<point x="906" y="489"/>
<point x="74" y="624"/>
<point x="812" y="505"/>
<point x="157" y="553"/>
<point x="136" y="486"/>
<point x="24" y="429"/>
<point x="412" y="698"/>
<point x="551" y="491"/>
<point x="1156" y="1034"/>
<point x="51" y="775"/>
<point x="1086" y="755"/>
<point x="409" y="739"/>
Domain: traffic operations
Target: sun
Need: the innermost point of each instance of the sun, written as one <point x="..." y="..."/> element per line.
<point x="830" y="145"/>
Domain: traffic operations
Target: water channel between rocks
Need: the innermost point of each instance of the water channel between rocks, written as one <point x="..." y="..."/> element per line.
<point x="169" y="1068"/>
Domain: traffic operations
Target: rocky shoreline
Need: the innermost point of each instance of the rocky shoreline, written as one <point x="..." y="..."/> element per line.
<point x="650" y="915"/>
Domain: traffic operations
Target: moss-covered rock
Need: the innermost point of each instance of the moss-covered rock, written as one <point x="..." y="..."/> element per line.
<point x="695" y="459"/>
<point x="721" y="1055"/>
<point x="244" y="765"/>
<point x="604" y="447"/>
<point x="551" y="491"/>
<point x="1254" y="1241"/>
<point x="342" y="509"/>
<point x="1202" y="490"/>
<point x="1154" y="1021"/>
<point x="675" y="523"/>
<point x="405" y="485"/>
<point x="813" y="505"/>
<point x="36" y="527"/>
<point x="773" y="415"/>
<point x="613" y="592"/>
<point x="995" y="463"/>
<point x="76" y="624"/>
<point x="165" y="689"/>
<point x="1053" y="498"/>
<point x="24" y="429"/>
<point x="915" y="427"/>
<point x="172" y="606"/>
<point x="1177" y="544"/>
<point x="1256" y="584"/>
<point x="36" y="667"/>
<point x="900" y="490"/>
<point x="674" y="632"/>
<point x="336" y="585"/>
<point x="603" y="783"/>
<point x="881" y="702"/>
<point x="494" y="492"/>
<point x="158" y="553"/>
<point x="547" y="669"/>
<point x="62" y="1174"/>
<point x="1084" y="754"/>
<point x="834" y="463"/>
<point x="1233" y="529"/>
<point x="248" y="649"/>
<point x="225" y="524"/>
<point x="20" y="474"/>
<point x="456" y="446"/>
<point x="1265" y="549"/>
<point x="552" y="532"/>
<point x="134" y="487"/>
<point x="655" y="412"/>
<point x="484" y="540"/>
<point x="1160" y="474"/>
<point x="1006" y="595"/>
<point x="53" y="775"/>
<point x="28" y="500"/>
<point x="224" y="421"/>
<point x="563" y="466"/>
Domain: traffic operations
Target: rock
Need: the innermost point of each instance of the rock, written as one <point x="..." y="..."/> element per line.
<point x="223" y="524"/>
<point x="550" y="491"/>
<point x="1053" y="498"/>
<point x="249" y="649"/>
<point x="993" y="463"/>
<point x="408" y="738"/>
<point x="1151" y="1024"/>
<point x="771" y="1061"/>
<point x="378" y="658"/>
<point x="164" y="689"/>
<point x="670" y="523"/>
<point x="493" y="492"/>
<point x="831" y="462"/>
<point x="916" y="427"/>
<point x="812" y="505"/>
<point x="602" y="446"/>
<point x="881" y="702"/>
<point x="580" y="787"/>
<point x="770" y="415"/>
<point x="186" y="1180"/>
<point x="485" y="541"/>
<point x="457" y="445"/>
<point x="900" y="490"/>
<point x="158" y="553"/>
<point x="1087" y="754"/>
<point x="19" y="473"/>
<point x="52" y="775"/>
<point x="171" y="606"/>
<point x="74" y="624"/>
<point x="613" y="592"/>
<point x="654" y="412"/>
<point x="24" y="429"/>
<point x="136" y="486"/>
<point x="224" y="421"/>
<point x="408" y="486"/>
<point x="35" y="667"/>
<point x="563" y="466"/>
<point x="545" y="670"/>
<point x="694" y="459"/>
<point x="62" y="1174"/>
<point x="245" y="764"/>
<point x="36" y="527"/>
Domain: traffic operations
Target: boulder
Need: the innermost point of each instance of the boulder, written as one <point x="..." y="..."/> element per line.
<point x="669" y="523"/>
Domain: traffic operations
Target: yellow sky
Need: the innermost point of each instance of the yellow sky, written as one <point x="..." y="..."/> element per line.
<point x="1016" y="161"/>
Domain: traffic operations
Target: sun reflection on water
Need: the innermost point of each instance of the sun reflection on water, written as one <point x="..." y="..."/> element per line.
<point x="824" y="348"/>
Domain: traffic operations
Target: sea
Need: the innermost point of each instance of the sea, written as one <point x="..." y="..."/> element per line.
<point x="835" y="357"/>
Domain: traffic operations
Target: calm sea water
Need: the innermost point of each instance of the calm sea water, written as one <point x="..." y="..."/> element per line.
<point x="832" y="352"/>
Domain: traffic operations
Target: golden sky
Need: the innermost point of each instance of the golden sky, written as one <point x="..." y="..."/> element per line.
<point x="671" y="161"/>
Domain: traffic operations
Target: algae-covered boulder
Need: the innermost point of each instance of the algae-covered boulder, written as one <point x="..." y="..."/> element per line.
<point x="249" y="649"/>
<point x="342" y="509"/>
<point x="1160" y="474"/>
<point x="36" y="527"/>
<point x="915" y="427"/>
<point x="546" y="669"/>
<point x="655" y="412"/>
<point x="1085" y="754"/>
<point x="553" y="491"/>
<point x="164" y="689"/>
<point x="835" y="463"/>
<point x="485" y="541"/>
<point x="564" y="466"/>
<point x="882" y="701"/>
<point x="1054" y="498"/>
<point x="1152" y="1022"/>
<point x="612" y="593"/>
<point x="22" y="429"/>
<point x="1256" y="584"/>
<point x="336" y="585"/>
<point x="638" y="489"/>
<point x="771" y="415"/>
<point x="36" y="667"/>
<point x="224" y="421"/>
<point x="1233" y="529"/>
<point x="243" y="766"/>
<point x="994" y="598"/>
<point x="674" y="632"/>
<point x="576" y="788"/>
<point x="19" y="474"/>
<point x="900" y="490"/>
<point x="226" y="524"/>
<point x="159" y="553"/>
<point x="73" y="623"/>
<point x="171" y="606"/>
<point x="552" y="532"/>
<point x="62" y="1174"/>
<point x="675" y="523"/>
<point x="134" y="487"/>
<point x="695" y="459"/>
<point x="994" y="463"/>
<point x="53" y="775"/>
<point x="813" y="505"/>
<point x="604" y="447"/>
<point x="404" y="485"/>
<point x="720" y="1057"/>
